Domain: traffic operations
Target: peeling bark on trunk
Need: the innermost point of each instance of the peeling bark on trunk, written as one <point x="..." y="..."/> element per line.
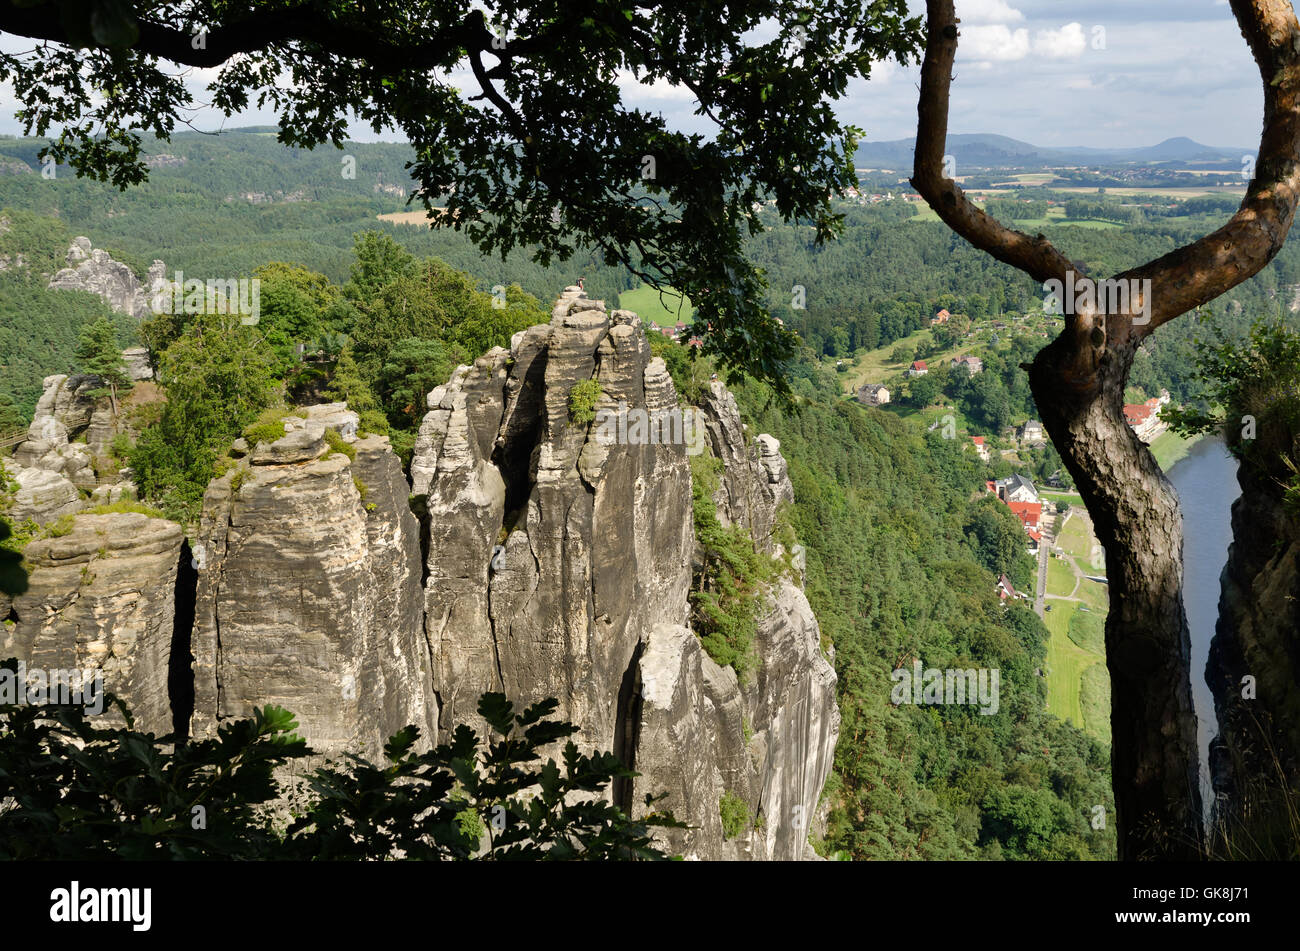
<point x="1136" y="517"/>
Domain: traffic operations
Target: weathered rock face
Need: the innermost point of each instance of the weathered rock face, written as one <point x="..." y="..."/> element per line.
<point x="41" y="496"/>
<point x="64" y="409"/>
<point x="69" y="430"/>
<point x="1257" y="636"/>
<point x="93" y="270"/>
<point x="755" y="481"/>
<point x="559" y="565"/>
<point x="595" y="540"/>
<point x="309" y="591"/>
<point x="102" y="597"/>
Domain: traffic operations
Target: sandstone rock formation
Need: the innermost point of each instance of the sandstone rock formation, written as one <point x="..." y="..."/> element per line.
<point x="94" y="270"/>
<point x="559" y="565"/>
<point x="1257" y="748"/>
<point x="69" y="430"/>
<point x="64" y="409"/>
<point x="755" y="481"/>
<point x="309" y="590"/>
<point x="41" y="496"/>
<point x="548" y="560"/>
<point x="102" y="596"/>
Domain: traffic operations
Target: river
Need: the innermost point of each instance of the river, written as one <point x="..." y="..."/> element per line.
<point x="1206" y="481"/>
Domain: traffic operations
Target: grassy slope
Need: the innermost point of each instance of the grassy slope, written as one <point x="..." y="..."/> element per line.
<point x="1169" y="447"/>
<point x="1078" y="687"/>
<point x="665" y="311"/>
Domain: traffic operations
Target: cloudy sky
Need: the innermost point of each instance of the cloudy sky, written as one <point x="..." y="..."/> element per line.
<point x="1113" y="73"/>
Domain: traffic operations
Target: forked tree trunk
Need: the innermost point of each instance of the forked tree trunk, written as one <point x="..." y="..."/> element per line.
<point x="1135" y="513"/>
<point x="1078" y="384"/>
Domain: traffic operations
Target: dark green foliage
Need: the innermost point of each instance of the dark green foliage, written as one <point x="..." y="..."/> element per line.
<point x="40" y="328"/>
<point x="411" y="368"/>
<point x="218" y="376"/>
<point x="11" y="419"/>
<point x="735" y="815"/>
<point x="558" y="163"/>
<point x="81" y="792"/>
<point x="730" y="580"/>
<point x="365" y="811"/>
<point x="13" y="577"/>
<point x="98" y="352"/>
<point x="72" y="790"/>
<point x="1254" y="386"/>
<point x="582" y="402"/>
<point x="998" y="540"/>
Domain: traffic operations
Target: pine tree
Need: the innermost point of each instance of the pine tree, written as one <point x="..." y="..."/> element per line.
<point x="98" y="353"/>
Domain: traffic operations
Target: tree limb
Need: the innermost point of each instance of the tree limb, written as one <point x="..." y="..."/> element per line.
<point x="1199" y="272"/>
<point x="1036" y="256"/>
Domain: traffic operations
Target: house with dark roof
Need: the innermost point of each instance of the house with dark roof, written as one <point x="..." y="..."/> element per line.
<point x="873" y="394"/>
<point x="1015" y="488"/>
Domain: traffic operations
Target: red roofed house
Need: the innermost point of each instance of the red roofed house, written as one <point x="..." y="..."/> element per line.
<point x="918" y="368"/>
<point x="1005" y="588"/>
<point x="1029" y="513"/>
<point x="980" y="448"/>
<point x="940" y="318"/>
<point x="1145" y="417"/>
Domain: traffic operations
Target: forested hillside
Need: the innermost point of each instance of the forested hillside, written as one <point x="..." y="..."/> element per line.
<point x="38" y="327"/>
<point x="896" y="572"/>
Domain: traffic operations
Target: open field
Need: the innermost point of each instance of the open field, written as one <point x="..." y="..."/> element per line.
<point x="406" y="217"/>
<point x="665" y="308"/>
<point x="1066" y="662"/>
<point x="1078" y="687"/>
<point x="874" y="366"/>
<point x="1094" y="700"/>
<point x="1060" y="579"/>
<point x="1088" y="630"/>
<point x="1190" y="192"/>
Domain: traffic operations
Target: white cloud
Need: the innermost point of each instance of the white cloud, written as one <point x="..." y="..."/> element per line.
<point x="658" y="90"/>
<point x="1068" y="42"/>
<point x="987" y="11"/>
<point x="996" y="43"/>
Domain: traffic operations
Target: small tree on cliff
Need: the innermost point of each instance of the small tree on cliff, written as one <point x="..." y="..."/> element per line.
<point x="1078" y="384"/>
<point x="98" y="353"/>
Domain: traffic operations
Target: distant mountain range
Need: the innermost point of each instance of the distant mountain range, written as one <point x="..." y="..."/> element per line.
<point x="999" y="151"/>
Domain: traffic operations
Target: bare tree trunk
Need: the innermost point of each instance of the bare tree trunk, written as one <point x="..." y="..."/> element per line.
<point x="1135" y="513"/>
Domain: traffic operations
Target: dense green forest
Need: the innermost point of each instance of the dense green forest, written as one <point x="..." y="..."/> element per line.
<point x="897" y="571"/>
<point x="38" y="327"/>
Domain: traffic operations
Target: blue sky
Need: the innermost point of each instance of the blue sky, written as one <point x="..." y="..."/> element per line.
<point x="1109" y="74"/>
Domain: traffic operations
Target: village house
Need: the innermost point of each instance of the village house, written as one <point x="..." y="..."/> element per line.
<point x="940" y="318"/>
<point x="873" y="394"/>
<point x="972" y="364"/>
<point x="1005" y="588"/>
<point x="1029" y="513"/>
<point x="1032" y="433"/>
<point x="980" y="448"/>
<point x="1014" y="488"/>
<point x="918" y="368"/>
<point x="1145" y="419"/>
